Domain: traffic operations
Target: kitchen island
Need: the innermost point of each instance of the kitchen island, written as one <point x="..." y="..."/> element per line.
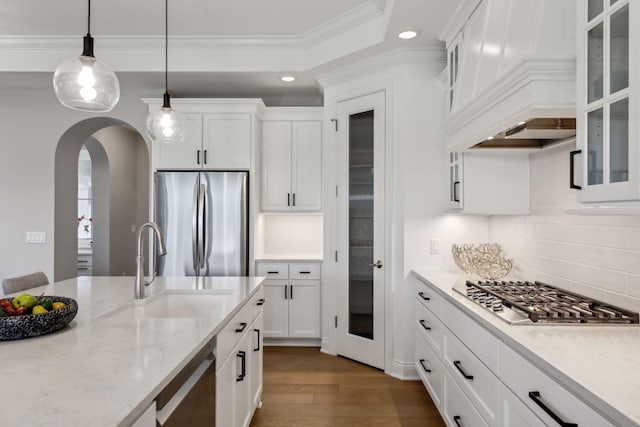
<point x="108" y="365"/>
<point x="583" y="370"/>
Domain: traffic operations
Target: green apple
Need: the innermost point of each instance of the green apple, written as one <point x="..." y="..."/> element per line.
<point x="24" y="300"/>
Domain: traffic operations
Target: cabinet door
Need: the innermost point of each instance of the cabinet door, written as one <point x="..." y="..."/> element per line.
<point x="304" y="309"/>
<point x="256" y="361"/>
<point x="306" y="166"/>
<point x="276" y="309"/>
<point x="276" y="166"/>
<point x="225" y="392"/>
<point x="226" y="141"/>
<point x="242" y="358"/>
<point x="514" y="412"/>
<point x="455" y="181"/>
<point x="184" y="155"/>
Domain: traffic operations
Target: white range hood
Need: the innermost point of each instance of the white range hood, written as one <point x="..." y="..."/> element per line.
<point x="516" y="82"/>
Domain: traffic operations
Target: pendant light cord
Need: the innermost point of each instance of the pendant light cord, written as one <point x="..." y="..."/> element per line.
<point x="89" y="18"/>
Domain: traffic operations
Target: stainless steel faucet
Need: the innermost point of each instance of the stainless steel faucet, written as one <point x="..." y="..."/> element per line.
<point x="140" y="279"/>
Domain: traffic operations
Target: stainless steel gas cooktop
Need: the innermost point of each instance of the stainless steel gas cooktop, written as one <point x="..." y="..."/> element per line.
<point x="521" y="302"/>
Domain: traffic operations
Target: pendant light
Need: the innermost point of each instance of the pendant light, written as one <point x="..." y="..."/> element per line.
<point x="85" y="83"/>
<point x="166" y="124"/>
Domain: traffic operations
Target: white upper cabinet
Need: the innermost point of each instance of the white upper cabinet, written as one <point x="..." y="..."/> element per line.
<point x="291" y="164"/>
<point x="226" y="141"/>
<point x="608" y="80"/>
<point x="220" y="134"/>
<point x="184" y="155"/>
<point x="485" y="183"/>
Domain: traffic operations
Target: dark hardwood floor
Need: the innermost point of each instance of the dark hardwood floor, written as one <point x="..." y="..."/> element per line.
<point x="306" y="388"/>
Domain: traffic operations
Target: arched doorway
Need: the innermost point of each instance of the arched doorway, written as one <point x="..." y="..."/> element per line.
<point x="120" y="176"/>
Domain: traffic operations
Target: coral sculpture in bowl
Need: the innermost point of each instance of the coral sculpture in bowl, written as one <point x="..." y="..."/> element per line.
<point x="485" y="259"/>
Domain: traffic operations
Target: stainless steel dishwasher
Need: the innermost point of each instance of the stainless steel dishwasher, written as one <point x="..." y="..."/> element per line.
<point x="190" y="398"/>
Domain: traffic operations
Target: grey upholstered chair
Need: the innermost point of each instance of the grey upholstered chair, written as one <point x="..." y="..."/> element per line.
<point x="17" y="284"/>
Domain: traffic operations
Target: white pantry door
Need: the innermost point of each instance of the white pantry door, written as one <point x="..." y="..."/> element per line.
<point x="360" y="229"/>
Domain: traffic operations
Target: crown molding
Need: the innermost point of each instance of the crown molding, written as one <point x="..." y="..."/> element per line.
<point x="458" y="19"/>
<point x="383" y="62"/>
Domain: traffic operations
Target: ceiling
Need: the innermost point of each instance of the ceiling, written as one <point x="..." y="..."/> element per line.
<point x="217" y="48"/>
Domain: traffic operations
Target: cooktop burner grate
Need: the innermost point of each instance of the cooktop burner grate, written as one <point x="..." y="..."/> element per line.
<point x="545" y="303"/>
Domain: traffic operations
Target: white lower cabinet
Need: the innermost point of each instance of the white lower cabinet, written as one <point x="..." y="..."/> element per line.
<point x="515" y="413"/>
<point x="292" y="294"/>
<point x="458" y="409"/>
<point x="475" y="379"/>
<point x="551" y="402"/>
<point x="239" y="372"/>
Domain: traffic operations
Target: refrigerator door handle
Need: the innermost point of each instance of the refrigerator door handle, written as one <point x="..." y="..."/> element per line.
<point x="194" y="227"/>
<point x="203" y="220"/>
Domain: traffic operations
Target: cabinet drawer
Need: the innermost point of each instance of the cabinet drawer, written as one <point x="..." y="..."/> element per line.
<point x="428" y="297"/>
<point x="429" y="369"/>
<point x="429" y="327"/>
<point x="272" y="270"/>
<point x="478" y="382"/>
<point x="232" y="332"/>
<point x="480" y="341"/>
<point x="537" y="390"/>
<point x="304" y="271"/>
<point x="458" y="410"/>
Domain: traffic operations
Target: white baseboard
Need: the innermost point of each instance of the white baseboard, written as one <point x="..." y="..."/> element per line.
<point x="403" y="370"/>
<point x="325" y="348"/>
<point x="292" y="342"/>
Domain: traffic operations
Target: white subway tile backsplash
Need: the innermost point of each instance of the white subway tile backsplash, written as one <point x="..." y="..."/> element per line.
<point x="598" y="256"/>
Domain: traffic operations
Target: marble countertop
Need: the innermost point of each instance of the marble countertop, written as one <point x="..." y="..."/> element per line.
<point x="599" y="363"/>
<point x="104" y="369"/>
<point x="290" y="258"/>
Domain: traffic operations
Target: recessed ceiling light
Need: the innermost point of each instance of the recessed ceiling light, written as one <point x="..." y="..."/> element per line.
<point x="522" y="123"/>
<point x="408" y="35"/>
<point x="490" y="138"/>
<point x="287" y="79"/>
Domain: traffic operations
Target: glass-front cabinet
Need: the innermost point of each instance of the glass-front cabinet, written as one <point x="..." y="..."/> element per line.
<point x="607" y="107"/>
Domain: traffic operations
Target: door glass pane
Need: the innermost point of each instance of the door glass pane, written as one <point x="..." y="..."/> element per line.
<point x="595" y="61"/>
<point x="619" y="49"/>
<point x="595" y="147"/>
<point x="595" y="8"/>
<point x="361" y="224"/>
<point x="619" y="141"/>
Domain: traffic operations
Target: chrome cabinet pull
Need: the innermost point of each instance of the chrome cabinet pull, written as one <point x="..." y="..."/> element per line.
<point x="535" y="396"/>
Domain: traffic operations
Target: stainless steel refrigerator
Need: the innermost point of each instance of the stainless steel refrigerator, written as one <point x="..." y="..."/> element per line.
<point x="203" y="217"/>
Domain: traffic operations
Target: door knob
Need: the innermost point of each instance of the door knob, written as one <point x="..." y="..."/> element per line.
<point x="378" y="264"/>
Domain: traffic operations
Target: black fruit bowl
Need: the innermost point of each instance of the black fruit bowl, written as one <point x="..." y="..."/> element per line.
<point x="33" y="325"/>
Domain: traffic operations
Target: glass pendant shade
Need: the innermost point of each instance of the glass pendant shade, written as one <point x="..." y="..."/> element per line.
<point x="85" y="83"/>
<point x="166" y="124"/>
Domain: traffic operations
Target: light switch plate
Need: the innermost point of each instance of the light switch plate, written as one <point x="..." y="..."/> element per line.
<point x="434" y="246"/>
<point x="36" y="237"/>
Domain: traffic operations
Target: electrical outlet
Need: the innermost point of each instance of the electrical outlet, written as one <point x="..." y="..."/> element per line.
<point x="36" y="237"/>
<point x="434" y="246"/>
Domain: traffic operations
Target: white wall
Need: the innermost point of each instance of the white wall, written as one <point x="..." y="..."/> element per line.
<point x="129" y="194"/>
<point x="598" y="256"/>
<point x="32" y="121"/>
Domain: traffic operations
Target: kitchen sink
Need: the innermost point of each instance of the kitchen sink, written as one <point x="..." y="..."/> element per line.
<point x="171" y="304"/>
